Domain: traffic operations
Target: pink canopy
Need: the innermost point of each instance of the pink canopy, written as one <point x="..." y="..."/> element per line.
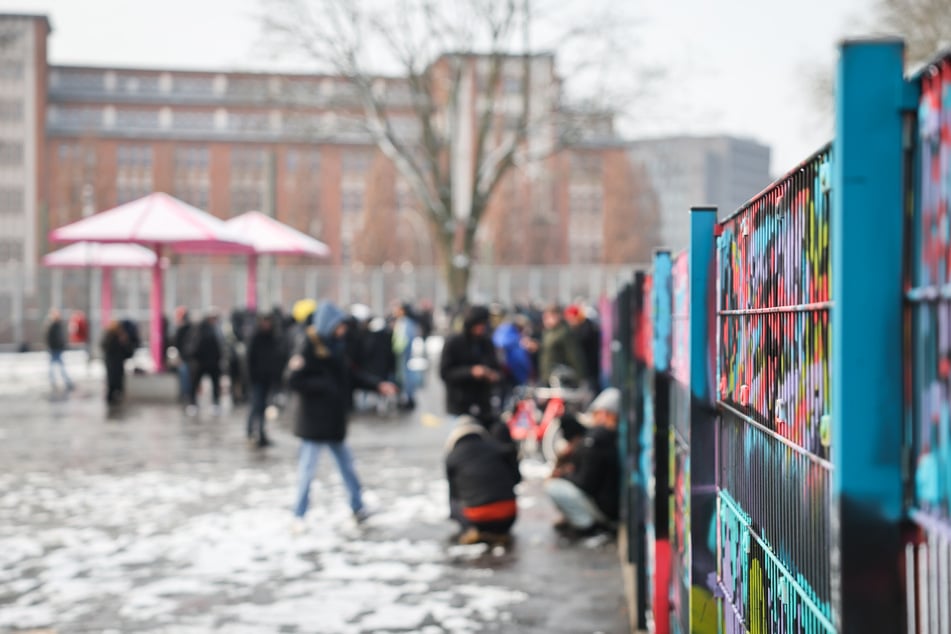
<point x="95" y="255"/>
<point x="157" y="221"/>
<point x="270" y="237"/>
<point x="105" y="257"/>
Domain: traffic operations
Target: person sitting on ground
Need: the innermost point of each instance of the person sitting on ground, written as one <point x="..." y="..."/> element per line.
<point x="482" y="473"/>
<point x="585" y="484"/>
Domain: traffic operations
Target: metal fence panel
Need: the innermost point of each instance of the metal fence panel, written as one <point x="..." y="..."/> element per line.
<point x="774" y="474"/>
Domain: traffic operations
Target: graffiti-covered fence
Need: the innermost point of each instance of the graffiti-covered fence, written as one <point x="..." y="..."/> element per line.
<point x="928" y="384"/>
<point x="774" y="474"/>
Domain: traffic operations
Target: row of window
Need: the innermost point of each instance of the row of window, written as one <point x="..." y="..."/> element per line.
<point x="11" y="249"/>
<point x="11" y="153"/>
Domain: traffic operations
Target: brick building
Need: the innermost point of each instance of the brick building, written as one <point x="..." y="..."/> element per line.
<point x="77" y="139"/>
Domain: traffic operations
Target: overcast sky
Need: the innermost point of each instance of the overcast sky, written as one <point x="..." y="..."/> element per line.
<point x="735" y="66"/>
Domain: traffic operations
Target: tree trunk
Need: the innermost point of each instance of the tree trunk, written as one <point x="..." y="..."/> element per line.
<point x="458" y="280"/>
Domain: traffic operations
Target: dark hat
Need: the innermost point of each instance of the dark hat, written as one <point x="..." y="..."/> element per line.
<point x="476" y="315"/>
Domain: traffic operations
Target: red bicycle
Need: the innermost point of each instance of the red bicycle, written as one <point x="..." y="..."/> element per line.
<point x="535" y="420"/>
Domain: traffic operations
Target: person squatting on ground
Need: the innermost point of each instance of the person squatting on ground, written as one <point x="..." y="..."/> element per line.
<point x="266" y="362"/>
<point x="116" y="348"/>
<point x="56" y="343"/>
<point x="470" y="369"/>
<point x="482" y="473"/>
<point x="322" y="375"/>
<point x="585" y="483"/>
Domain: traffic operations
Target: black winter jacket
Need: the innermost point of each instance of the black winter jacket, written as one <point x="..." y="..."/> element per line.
<point x="325" y="384"/>
<point x="597" y="469"/>
<point x="266" y="358"/>
<point x="464" y="393"/>
<point x="56" y="336"/>
<point x="480" y="469"/>
<point x="206" y="349"/>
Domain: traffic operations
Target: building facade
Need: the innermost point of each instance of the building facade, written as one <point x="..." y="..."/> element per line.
<point x="685" y="171"/>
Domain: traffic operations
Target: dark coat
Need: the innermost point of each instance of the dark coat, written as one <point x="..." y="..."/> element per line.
<point x="376" y="352"/>
<point x="205" y="346"/>
<point x="56" y="336"/>
<point x="588" y="335"/>
<point x="464" y="393"/>
<point x="325" y="383"/>
<point x="480" y="469"/>
<point x="559" y="347"/>
<point x="597" y="469"/>
<point x="266" y="358"/>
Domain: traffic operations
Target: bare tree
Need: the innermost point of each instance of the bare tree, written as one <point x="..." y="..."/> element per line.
<point x="924" y="25"/>
<point x="469" y="106"/>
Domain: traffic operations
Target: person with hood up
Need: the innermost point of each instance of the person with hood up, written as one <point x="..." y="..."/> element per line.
<point x="323" y="376"/>
<point x="585" y="484"/>
<point x="470" y="368"/>
<point x="482" y="473"/>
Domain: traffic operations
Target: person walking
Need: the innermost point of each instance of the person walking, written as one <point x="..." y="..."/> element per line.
<point x="265" y="367"/>
<point x="56" y="343"/>
<point x="116" y="349"/>
<point x="405" y="331"/>
<point x="183" y="333"/>
<point x="322" y="375"/>
<point x="470" y="369"/>
<point x="206" y="351"/>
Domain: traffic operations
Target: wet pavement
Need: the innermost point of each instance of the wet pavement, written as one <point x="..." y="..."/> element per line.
<point x="149" y="521"/>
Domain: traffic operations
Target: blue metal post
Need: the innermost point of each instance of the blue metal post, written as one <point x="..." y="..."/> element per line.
<point x="702" y="416"/>
<point x="867" y="410"/>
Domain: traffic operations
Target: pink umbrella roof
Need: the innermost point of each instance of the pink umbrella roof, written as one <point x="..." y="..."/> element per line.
<point x="156" y="219"/>
<point x="268" y="236"/>
<point x="95" y="255"/>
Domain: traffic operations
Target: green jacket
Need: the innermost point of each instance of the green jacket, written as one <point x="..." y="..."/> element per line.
<point x="560" y="347"/>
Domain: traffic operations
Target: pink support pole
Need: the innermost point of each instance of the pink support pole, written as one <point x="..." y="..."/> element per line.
<point x="155" y="305"/>
<point x="252" y="282"/>
<point x="106" y="306"/>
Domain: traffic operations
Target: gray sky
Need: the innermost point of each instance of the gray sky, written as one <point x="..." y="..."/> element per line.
<point x="736" y="66"/>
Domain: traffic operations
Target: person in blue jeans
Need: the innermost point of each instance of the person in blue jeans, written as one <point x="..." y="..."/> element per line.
<point x="56" y="342"/>
<point x="322" y="375"/>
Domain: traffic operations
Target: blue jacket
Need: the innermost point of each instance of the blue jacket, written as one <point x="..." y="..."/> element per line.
<point x="518" y="362"/>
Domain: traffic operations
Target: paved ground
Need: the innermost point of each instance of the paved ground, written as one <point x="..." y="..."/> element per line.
<point x="152" y="522"/>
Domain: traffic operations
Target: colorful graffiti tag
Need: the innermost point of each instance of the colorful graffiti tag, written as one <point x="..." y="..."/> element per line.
<point x="773" y="532"/>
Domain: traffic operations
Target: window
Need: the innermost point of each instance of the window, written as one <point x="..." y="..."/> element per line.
<point x="81" y="80"/>
<point x="248" y="121"/>
<point x="11" y="153"/>
<point x="193" y="157"/>
<point x="134" y="157"/>
<point x="186" y="85"/>
<point x="246" y="198"/>
<point x="357" y="160"/>
<point x="203" y="120"/>
<point x="11" y="249"/>
<point x="247" y="87"/>
<point x="11" y="201"/>
<point x="352" y="200"/>
<point x="248" y="159"/>
<point x="11" y="110"/>
<point x="587" y="164"/>
<point x="139" y="119"/>
<point x="83" y="118"/>
<point x="138" y="84"/>
<point x="11" y="69"/>
<point x="195" y="194"/>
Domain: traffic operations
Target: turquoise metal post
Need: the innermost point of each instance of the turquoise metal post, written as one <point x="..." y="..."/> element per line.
<point x="867" y="410"/>
<point x="703" y="222"/>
